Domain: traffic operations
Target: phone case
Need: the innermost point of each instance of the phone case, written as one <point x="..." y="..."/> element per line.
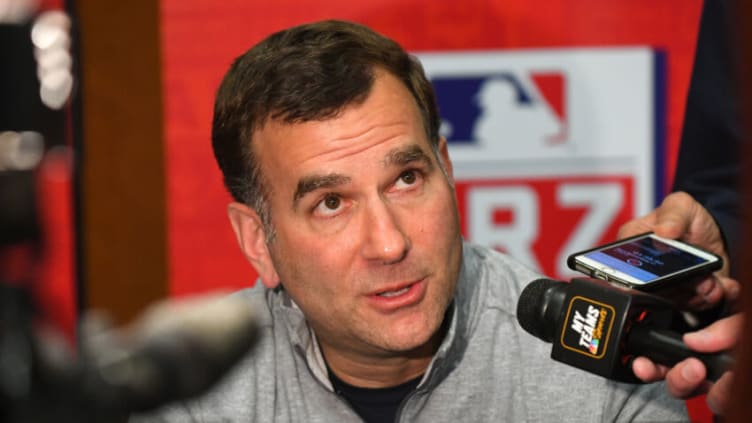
<point x="664" y="283"/>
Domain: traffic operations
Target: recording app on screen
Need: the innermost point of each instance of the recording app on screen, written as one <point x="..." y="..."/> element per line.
<point x="646" y="259"/>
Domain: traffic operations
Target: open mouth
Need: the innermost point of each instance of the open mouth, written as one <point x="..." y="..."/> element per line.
<point x="389" y="294"/>
<point x="398" y="296"/>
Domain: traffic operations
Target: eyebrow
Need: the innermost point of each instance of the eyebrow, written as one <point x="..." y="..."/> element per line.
<point x="313" y="182"/>
<point x="395" y="157"/>
<point x="403" y="156"/>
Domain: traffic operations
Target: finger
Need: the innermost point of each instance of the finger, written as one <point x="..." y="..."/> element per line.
<point x="647" y="371"/>
<point x="708" y="294"/>
<point x="721" y="335"/>
<point x="681" y="216"/>
<point x="697" y="296"/>
<point x="686" y="379"/>
<point x="712" y="292"/>
<point x="675" y="215"/>
<point x="731" y="288"/>
<point x="637" y="226"/>
<point x="719" y="394"/>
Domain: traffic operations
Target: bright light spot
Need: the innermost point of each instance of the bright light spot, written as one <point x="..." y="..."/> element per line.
<point x="20" y="150"/>
<point x="51" y="29"/>
<point x="55" y="88"/>
<point x="51" y="39"/>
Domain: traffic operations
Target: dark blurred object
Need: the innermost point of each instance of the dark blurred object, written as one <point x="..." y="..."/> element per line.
<point x="36" y="84"/>
<point x="709" y="162"/>
<point x="741" y="392"/>
<point x="33" y="48"/>
<point x="18" y="217"/>
<point x="177" y="350"/>
<point x="21" y="106"/>
<point x="29" y="391"/>
<point x="20" y="110"/>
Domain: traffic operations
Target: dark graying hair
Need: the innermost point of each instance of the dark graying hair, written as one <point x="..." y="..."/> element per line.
<point x="308" y="72"/>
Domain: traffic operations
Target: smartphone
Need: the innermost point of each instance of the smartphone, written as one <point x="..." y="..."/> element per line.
<point x="646" y="262"/>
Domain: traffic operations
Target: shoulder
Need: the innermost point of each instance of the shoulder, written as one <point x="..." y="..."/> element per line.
<point x="258" y="300"/>
<point x="237" y="393"/>
<point x="495" y="277"/>
<point x="494" y="262"/>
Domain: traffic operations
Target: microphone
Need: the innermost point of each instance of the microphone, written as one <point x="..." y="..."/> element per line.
<point x="176" y="350"/>
<point x="600" y="328"/>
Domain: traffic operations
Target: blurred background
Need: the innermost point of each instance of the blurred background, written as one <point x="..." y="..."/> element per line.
<point x="563" y="117"/>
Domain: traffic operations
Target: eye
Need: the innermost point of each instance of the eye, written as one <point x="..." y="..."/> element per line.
<point x="330" y="205"/>
<point x="408" y="178"/>
<point x="331" y="202"/>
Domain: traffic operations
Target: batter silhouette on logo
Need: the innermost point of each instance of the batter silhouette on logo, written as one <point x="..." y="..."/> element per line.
<point x="514" y="121"/>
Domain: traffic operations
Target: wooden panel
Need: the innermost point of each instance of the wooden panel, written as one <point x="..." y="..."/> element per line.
<point x="122" y="184"/>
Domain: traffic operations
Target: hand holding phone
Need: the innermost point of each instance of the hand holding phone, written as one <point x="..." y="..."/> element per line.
<point x="646" y="262"/>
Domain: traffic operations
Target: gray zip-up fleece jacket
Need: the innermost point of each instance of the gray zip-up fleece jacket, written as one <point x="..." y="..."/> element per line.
<point x="487" y="369"/>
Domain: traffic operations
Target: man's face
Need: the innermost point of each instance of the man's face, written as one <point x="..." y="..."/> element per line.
<point x="367" y="229"/>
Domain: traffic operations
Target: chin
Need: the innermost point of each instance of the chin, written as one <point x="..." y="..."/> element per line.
<point x="412" y="337"/>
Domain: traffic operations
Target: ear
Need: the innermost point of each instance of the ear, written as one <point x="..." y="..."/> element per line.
<point x="445" y="160"/>
<point x="249" y="232"/>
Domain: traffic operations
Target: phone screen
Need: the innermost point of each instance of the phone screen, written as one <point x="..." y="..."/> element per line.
<point x="646" y="259"/>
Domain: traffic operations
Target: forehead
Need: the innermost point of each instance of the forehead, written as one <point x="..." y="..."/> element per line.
<point x="389" y="116"/>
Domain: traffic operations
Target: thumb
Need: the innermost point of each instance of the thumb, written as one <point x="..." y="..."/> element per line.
<point x="675" y="215"/>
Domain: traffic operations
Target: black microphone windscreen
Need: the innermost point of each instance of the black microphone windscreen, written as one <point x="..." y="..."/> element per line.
<point x="176" y="350"/>
<point x="531" y="307"/>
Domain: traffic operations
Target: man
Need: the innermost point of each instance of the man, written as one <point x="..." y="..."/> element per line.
<point x="681" y="216"/>
<point x="705" y="207"/>
<point x="709" y="165"/>
<point x="372" y="306"/>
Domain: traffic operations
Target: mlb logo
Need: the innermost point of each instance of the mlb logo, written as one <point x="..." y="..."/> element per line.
<point x="531" y="105"/>
<point x="552" y="150"/>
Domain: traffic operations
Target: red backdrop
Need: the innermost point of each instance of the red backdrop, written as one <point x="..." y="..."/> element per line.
<point x="202" y="37"/>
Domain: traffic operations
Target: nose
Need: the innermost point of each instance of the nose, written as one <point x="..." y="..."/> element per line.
<point x="384" y="238"/>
